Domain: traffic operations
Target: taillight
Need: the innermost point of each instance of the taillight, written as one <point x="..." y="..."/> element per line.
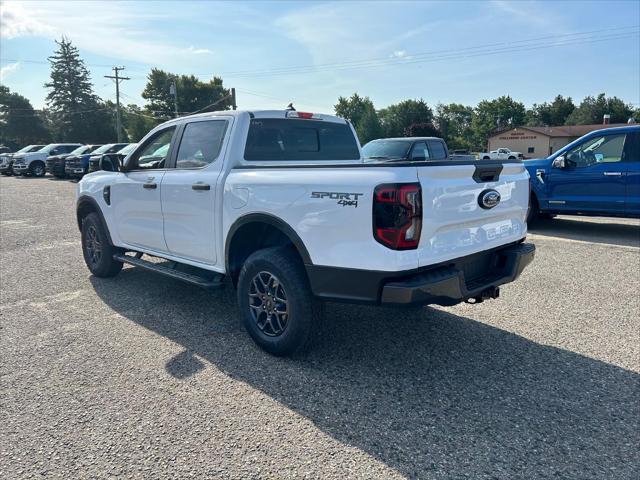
<point x="397" y="215"/>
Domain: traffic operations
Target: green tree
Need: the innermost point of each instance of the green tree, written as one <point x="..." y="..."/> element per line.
<point x="489" y="115"/>
<point x="422" y="130"/>
<point x="20" y="124"/>
<point x="396" y="118"/>
<point x="454" y="121"/>
<point x="193" y="94"/>
<point x="362" y="115"/>
<point x="592" y="110"/>
<point x="137" y="122"/>
<point x="550" y="114"/>
<point x="78" y="114"/>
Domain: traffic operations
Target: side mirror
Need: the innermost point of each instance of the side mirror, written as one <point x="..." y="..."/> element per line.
<point x="108" y="164"/>
<point x="559" y="162"/>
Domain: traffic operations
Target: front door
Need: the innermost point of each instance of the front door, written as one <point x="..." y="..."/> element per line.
<point x="593" y="179"/>
<point x="189" y="190"/>
<point x="632" y="159"/>
<point x="135" y="196"/>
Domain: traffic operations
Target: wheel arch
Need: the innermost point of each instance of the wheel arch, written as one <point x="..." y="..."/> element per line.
<point x="255" y="231"/>
<point x="87" y="205"/>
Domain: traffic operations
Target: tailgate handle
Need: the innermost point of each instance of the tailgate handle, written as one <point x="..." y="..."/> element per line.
<point x="487" y="173"/>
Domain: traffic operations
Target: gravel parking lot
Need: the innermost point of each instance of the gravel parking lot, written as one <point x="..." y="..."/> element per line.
<point x="142" y="376"/>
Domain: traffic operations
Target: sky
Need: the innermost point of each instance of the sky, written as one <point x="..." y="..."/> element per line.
<point x="310" y="53"/>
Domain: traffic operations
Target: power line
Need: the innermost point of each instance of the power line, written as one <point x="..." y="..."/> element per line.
<point x="618" y="30"/>
<point x="468" y="53"/>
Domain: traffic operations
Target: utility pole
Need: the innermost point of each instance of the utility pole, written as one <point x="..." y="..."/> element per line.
<point x="173" y="90"/>
<point x="233" y="99"/>
<point x="118" y="79"/>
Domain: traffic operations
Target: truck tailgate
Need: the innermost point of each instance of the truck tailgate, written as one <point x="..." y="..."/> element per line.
<point x="454" y="222"/>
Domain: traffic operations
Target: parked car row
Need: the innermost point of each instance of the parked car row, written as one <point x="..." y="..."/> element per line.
<point x="62" y="160"/>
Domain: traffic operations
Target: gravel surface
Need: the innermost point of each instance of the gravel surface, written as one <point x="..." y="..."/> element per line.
<point x="144" y="377"/>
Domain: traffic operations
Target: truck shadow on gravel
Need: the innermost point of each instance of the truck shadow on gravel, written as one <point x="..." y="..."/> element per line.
<point x="430" y="394"/>
<point x="610" y="232"/>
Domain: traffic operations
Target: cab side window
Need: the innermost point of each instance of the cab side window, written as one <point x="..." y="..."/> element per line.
<point x="201" y="143"/>
<point x="153" y="154"/>
<point x="438" y="151"/>
<point x="601" y="149"/>
<point x="420" y="152"/>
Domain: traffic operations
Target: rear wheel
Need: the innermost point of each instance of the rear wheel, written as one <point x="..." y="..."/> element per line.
<point x="534" y="210"/>
<point x="96" y="248"/>
<point x="276" y="304"/>
<point x="37" y="169"/>
<point x="485" y="158"/>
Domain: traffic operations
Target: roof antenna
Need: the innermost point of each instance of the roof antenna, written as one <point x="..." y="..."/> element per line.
<point x="290" y="107"/>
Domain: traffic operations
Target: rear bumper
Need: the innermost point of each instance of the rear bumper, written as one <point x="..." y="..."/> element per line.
<point x="477" y="276"/>
<point x="449" y="285"/>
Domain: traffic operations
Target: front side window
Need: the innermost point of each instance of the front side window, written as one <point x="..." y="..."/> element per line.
<point x="154" y="153"/>
<point x="294" y="139"/>
<point x="201" y="143"/>
<point x="602" y="149"/>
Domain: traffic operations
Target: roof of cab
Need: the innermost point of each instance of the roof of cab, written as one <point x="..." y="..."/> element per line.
<point x="255" y="114"/>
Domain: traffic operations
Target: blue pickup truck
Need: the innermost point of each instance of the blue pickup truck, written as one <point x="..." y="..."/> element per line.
<point x="596" y="175"/>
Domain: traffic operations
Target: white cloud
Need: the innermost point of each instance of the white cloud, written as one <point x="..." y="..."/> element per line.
<point x="8" y="69"/>
<point x="199" y="51"/>
<point x="16" y="21"/>
<point x="399" y="54"/>
<point x="121" y="30"/>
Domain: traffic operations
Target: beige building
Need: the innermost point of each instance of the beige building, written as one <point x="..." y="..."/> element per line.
<point x="534" y="142"/>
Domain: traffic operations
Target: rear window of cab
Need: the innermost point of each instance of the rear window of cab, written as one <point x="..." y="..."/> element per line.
<point x="272" y="139"/>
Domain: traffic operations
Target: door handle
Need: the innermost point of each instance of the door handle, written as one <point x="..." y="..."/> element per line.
<point x="200" y="186"/>
<point x="612" y="174"/>
<point x="150" y="185"/>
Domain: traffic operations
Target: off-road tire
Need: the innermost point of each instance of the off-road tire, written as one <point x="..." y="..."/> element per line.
<point x="93" y="231"/>
<point x="533" y="213"/>
<point x="304" y="311"/>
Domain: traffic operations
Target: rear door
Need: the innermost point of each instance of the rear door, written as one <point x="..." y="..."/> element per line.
<point x="456" y="222"/>
<point x="189" y="189"/>
<point x="593" y="179"/>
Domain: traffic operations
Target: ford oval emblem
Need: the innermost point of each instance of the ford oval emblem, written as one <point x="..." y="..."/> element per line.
<point x="488" y="199"/>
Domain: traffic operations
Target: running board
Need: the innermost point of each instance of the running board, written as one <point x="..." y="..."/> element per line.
<point x="208" y="283"/>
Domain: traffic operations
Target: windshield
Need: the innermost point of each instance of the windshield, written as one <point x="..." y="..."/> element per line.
<point x="29" y="148"/>
<point x="386" y="149"/>
<point x="79" y="150"/>
<point x="128" y="149"/>
<point x="48" y="148"/>
<point x="104" y="148"/>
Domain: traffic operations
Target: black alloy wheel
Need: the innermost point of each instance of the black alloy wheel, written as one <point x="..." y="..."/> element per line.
<point x="269" y="304"/>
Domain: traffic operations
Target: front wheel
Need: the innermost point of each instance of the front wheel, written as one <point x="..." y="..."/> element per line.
<point x="96" y="248"/>
<point x="36" y="169"/>
<point x="276" y="304"/>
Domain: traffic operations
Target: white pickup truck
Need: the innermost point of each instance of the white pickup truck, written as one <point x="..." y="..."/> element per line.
<point x="34" y="163"/>
<point x="500" y="154"/>
<point x="282" y="204"/>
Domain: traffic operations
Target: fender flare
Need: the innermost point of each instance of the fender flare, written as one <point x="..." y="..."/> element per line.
<point x="273" y="221"/>
<point x="87" y="200"/>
